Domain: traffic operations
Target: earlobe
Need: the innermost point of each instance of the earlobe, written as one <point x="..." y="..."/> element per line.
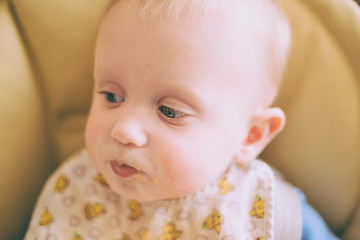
<point x="266" y="124"/>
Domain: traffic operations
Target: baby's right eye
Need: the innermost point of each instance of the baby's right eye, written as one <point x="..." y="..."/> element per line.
<point x="112" y="97"/>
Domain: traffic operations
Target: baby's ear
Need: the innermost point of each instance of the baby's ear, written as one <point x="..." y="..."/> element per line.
<point x="265" y="125"/>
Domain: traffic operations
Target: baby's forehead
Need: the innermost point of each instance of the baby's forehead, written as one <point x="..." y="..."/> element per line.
<point x="258" y="20"/>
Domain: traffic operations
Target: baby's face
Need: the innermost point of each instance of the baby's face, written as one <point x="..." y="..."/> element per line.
<point x="172" y="103"/>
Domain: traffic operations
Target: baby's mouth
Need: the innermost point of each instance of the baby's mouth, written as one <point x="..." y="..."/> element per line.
<point x="123" y="170"/>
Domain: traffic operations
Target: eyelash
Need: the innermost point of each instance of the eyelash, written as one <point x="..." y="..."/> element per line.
<point x="112" y="97"/>
<point x="170" y="112"/>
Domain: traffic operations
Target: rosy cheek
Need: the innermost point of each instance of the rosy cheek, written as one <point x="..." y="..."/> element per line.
<point x="177" y="172"/>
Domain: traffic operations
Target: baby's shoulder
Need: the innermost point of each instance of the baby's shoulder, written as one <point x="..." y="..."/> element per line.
<point x="288" y="217"/>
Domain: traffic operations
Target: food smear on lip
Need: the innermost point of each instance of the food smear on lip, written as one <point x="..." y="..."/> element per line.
<point x="123" y="170"/>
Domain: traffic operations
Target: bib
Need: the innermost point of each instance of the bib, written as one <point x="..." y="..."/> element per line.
<point x="76" y="203"/>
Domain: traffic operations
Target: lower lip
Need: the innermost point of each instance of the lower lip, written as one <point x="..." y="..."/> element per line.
<point x="123" y="170"/>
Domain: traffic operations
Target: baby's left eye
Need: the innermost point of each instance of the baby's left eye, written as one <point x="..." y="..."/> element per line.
<point x="170" y="112"/>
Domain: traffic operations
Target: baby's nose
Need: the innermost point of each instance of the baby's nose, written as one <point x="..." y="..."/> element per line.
<point x="129" y="130"/>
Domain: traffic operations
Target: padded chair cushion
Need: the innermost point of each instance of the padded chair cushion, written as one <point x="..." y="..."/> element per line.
<point x="23" y="141"/>
<point x="319" y="148"/>
<point x="61" y="37"/>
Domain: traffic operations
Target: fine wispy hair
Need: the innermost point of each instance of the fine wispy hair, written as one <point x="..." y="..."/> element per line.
<point x="173" y="9"/>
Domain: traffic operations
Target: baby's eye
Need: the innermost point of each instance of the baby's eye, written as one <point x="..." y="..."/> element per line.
<point x="112" y="98"/>
<point x="171" y="113"/>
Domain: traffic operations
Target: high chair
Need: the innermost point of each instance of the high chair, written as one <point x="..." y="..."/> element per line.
<point x="46" y="58"/>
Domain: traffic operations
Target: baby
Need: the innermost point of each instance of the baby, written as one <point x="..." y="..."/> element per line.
<point x="181" y="109"/>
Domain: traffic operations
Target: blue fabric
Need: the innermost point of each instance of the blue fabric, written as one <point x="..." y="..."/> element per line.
<point x="314" y="227"/>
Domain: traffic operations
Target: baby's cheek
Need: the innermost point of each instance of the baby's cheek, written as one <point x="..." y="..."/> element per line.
<point x="95" y="123"/>
<point x="92" y="133"/>
<point x="180" y="172"/>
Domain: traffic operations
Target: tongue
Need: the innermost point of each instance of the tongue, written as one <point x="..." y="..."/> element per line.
<point x="123" y="170"/>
